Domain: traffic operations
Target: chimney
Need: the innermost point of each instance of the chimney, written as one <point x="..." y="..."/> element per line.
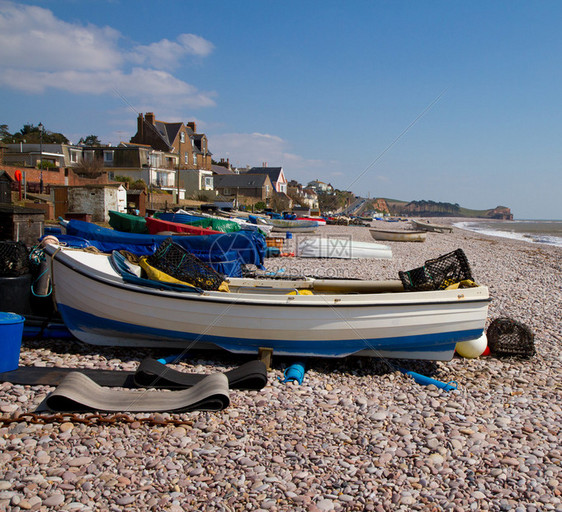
<point x="140" y="127"/>
<point x="191" y="125"/>
<point x="149" y="116"/>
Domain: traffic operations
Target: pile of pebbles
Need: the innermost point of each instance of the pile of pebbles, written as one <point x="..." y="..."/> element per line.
<point x="356" y="435"/>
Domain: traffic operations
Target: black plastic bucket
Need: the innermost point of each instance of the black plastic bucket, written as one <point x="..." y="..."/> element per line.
<point x="15" y="294"/>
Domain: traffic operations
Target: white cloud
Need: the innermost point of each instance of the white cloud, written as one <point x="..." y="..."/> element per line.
<point x="39" y="51"/>
<point x="255" y="148"/>
<point x="167" y="54"/>
<point x="149" y="84"/>
<point x="32" y="38"/>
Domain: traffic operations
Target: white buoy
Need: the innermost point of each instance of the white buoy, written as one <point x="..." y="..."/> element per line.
<point x="49" y="239"/>
<point x="472" y="348"/>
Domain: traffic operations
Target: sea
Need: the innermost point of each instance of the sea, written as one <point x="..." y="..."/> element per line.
<point x="546" y="232"/>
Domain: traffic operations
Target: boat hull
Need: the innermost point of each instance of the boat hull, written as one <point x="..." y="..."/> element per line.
<point x="398" y="236"/>
<point x="431" y="227"/>
<point x="99" y="308"/>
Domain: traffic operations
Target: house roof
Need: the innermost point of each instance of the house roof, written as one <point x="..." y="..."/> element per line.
<point x="133" y="145"/>
<point x="240" y="180"/>
<point x="197" y="138"/>
<point x="219" y="169"/>
<point x="272" y="172"/>
<point x="4" y="174"/>
<point x="168" y="131"/>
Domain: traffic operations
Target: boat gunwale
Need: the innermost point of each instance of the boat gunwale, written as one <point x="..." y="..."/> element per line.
<point x="251" y="299"/>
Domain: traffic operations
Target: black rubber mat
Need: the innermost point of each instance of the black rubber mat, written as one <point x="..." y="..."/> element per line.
<point x="151" y="373"/>
<point x="78" y="393"/>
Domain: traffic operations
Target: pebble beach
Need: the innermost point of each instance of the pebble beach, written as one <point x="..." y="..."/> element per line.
<point x="356" y="435"/>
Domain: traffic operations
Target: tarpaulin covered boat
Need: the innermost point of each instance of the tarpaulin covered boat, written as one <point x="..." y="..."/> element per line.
<point x="219" y="225"/>
<point x="127" y="222"/>
<point x="248" y="246"/>
<point x="156" y="226"/>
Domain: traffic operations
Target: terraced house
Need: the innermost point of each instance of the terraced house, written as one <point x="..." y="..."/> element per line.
<point x="192" y="158"/>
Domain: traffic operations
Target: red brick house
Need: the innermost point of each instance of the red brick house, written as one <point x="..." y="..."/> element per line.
<point x="179" y="138"/>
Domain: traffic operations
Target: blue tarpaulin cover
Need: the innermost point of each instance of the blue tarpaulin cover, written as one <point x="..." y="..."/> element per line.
<point x="245" y="247"/>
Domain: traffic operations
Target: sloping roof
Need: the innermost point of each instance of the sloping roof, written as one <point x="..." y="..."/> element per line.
<point x="133" y="145"/>
<point x="168" y="131"/>
<point x="240" y="180"/>
<point x="272" y="172"/>
<point x="219" y="169"/>
<point x="5" y="175"/>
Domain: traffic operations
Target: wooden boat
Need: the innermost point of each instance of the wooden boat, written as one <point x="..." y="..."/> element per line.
<point x="328" y="247"/>
<point x="340" y="318"/>
<point x="426" y="226"/>
<point x="398" y="236"/>
<point x="293" y="226"/>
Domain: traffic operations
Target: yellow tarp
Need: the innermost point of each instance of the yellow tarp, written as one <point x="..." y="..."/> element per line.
<point x="158" y="275"/>
<point x="465" y="283"/>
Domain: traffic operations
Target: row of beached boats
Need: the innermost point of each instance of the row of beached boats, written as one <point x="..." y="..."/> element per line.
<point x="106" y="298"/>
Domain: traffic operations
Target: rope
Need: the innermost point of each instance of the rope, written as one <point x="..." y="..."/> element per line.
<point x="37" y="257"/>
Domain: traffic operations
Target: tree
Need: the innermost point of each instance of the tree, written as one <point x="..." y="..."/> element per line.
<point x="4" y="133"/>
<point x="279" y="202"/>
<point x="89" y="168"/>
<point x="32" y="135"/>
<point x="90" y="140"/>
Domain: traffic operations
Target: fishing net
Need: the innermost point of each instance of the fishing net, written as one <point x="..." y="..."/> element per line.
<point x="438" y="273"/>
<point x="507" y="337"/>
<point x="14" y="259"/>
<point x="175" y="261"/>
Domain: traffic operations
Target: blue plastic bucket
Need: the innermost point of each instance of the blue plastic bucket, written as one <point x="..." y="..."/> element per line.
<point x="11" y="331"/>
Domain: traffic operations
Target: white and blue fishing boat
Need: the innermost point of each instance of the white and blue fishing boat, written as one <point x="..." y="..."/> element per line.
<point x="103" y="302"/>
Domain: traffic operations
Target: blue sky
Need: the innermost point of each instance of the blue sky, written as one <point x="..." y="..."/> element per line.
<point x="440" y="100"/>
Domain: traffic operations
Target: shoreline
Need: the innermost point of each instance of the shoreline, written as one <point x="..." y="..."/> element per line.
<point x="356" y="435"/>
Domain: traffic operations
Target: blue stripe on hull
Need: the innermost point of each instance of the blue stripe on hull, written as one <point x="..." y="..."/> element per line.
<point x="441" y="343"/>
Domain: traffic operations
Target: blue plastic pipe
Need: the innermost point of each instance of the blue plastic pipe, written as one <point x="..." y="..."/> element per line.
<point x="426" y="381"/>
<point x="172" y="358"/>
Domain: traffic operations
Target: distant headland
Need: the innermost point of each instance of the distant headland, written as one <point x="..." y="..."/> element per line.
<point x="434" y="209"/>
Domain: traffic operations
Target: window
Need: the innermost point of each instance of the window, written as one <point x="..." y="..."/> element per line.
<point x="74" y="156"/>
<point x="154" y="161"/>
<point x="108" y="157"/>
<point x="194" y="159"/>
<point x="186" y="158"/>
<point x="208" y="183"/>
<point x="182" y="137"/>
<point x="226" y="191"/>
<point x="267" y="190"/>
